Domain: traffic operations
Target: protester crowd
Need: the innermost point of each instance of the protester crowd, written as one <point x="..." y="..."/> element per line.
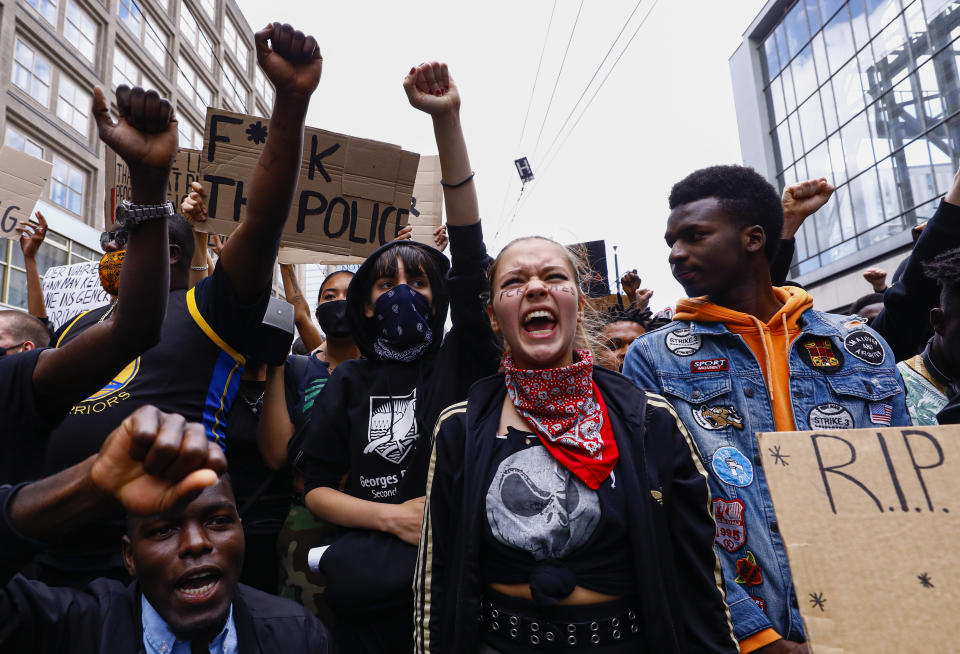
<point x="533" y="474"/>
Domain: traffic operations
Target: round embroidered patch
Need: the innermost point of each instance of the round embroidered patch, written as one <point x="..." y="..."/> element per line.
<point x="819" y="353"/>
<point x="682" y="343"/>
<point x="829" y="415"/>
<point x="865" y="346"/>
<point x="732" y="467"/>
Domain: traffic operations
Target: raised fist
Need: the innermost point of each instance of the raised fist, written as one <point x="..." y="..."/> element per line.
<point x="630" y="283"/>
<point x="194" y="207"/>
<point x="877" y="278"/>
<point x="145" y="136"/>
<point x="154" y="459"/>
<point x="802" y="200"/>
<point x="290" y="60"/>
<point x="430" y="89"/>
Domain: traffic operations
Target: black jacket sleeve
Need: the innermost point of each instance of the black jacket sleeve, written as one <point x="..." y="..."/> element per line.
<point x="438" y="536"/>
<point x="33" y="616"/>
<point x="467" y="280"/>
<point x="326" y="446"/>
<point x="905" y="319"/>
<point x="686" y="496"/>
<point x="780" y="266"/>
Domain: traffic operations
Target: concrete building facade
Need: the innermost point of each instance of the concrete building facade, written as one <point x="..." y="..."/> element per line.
<point x="198" y="53"/>
<point x="867" y="94"/>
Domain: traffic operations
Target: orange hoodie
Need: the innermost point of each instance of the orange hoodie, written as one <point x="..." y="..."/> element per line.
<point x="770" y="344"/>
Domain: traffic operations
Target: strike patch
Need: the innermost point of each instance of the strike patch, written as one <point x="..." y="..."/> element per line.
<point x="880" y="413"/>
<point x="762" y="605"/>
<point x="829" y="415"/>
<point x="731" y="527"/>
<point x="709" y="365"/>
<point x="732" y="467"/>
<point x="819" y="353"/>
<point x="682" y="343"/>
<point x="714" y="418"/>
<point x="865" y="346"/>
<point x="748" y="572"/>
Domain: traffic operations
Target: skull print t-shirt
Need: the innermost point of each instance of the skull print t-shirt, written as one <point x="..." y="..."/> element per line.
<point x="541" y="517"/>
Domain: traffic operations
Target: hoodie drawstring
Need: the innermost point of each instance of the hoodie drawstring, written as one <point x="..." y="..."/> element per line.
<point x="767" y="378"/>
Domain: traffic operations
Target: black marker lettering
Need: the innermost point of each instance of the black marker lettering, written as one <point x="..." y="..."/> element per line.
<point x="345" y="218"/>
<point x="917" y="468"/>
<point x="304" y="209"/>
<point x="893" y="473"/>
<point x="238" y="201"/>
<point x="400" y="214"/>
<point x="374" y="220"/>
<point x="383" y="224"/>
<point x="413" y="207"/>
<point x="215" y="182"/>
<point x="353" y="224"/>
<point x="835" y="470"/>
<point x="316" y="159"/>
<point x="214" y="137"/>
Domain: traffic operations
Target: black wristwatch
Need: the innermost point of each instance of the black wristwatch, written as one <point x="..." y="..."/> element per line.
<point x="133" y="215"/>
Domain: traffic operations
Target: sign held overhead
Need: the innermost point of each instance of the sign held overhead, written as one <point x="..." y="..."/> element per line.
<point x="353" y="194"/>
<point x="186" y="169"/>
<point x="22" y="179"/>
<point x="870" y="519"/>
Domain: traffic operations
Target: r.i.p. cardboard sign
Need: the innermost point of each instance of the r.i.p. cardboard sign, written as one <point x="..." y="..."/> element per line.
<point x="353" y="194"/>
<point x="184" y="171"/>
<point x="22" y="178"/>
<point x="871" y="522"/>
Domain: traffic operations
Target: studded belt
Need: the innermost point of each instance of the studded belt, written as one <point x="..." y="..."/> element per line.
<point x="535" y="631"/>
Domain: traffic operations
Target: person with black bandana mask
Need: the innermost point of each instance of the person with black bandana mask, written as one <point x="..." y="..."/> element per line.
<point x="373" y="420"/>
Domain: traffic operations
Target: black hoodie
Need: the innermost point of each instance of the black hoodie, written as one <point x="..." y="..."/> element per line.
<point x="375" y="416"/>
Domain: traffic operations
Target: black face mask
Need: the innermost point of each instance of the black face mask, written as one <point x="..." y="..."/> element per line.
<point x="332" y="317"/>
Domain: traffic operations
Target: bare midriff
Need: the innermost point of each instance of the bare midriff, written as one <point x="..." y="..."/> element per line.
<point x="579" y="597"/>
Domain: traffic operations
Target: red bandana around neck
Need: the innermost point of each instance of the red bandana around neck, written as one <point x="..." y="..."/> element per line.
<point x="564" y="408"/>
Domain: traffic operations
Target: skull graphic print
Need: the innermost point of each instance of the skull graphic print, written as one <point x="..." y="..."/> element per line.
<point x="536" y="505"/>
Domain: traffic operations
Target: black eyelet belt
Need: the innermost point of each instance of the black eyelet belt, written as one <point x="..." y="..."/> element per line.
<point x="552" y="634"/>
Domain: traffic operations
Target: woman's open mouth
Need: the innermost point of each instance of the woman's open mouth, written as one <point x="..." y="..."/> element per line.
<point x="540" y="322"/>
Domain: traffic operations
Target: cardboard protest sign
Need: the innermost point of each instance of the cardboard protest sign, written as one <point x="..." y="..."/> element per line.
<point x="871" y="522"/>
<point x="426" y="214"/>
<point x="353" y="194"/>
<point x="22" y="179"/>
<point x="186" y="169"/>
<point x="594" y="255"/>
<point x="601" y="304"/>
<point x="70" y="290"/>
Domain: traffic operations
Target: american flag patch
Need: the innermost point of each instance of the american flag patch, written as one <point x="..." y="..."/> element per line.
<point x="880" y="413"/>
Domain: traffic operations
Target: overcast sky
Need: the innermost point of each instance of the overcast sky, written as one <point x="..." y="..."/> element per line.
<point x="666" y="109"/>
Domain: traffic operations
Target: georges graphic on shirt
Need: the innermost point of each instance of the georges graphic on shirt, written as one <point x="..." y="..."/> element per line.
<point x="392" y="428"/>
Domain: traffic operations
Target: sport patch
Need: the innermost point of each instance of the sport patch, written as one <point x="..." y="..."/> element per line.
<point x="682" y="343"/>
<point x="881" y="413"/>
<point x="732" y="467"/>
<point x="819" y="353"/>
<point x="761" y="604"/>
<point x="717" y="417"/>
<point x="865" y="346"/>
<point x="829" y="415"/>
<point x="709" y="365"/>
<point x="731" y="527"/>
<point x="748" y="572"/>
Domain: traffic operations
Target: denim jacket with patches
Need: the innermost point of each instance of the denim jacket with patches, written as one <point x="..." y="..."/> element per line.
<point x="842" y="375"/>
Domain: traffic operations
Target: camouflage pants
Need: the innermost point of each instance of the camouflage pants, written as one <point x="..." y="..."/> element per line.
<point x="301" y="532"/>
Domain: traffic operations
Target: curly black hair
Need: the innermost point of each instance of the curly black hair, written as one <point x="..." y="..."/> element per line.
<point x="742" y="192"/>
<point x="945" y="269"/>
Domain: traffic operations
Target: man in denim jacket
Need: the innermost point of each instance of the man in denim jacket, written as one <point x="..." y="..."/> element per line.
<point x="742" y="357"/>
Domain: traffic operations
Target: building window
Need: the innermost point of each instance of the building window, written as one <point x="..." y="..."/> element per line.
<point x="193" y="86"/>
<point x="264" y="87"/>
<point x="234" y="42"/>
<point x="233" y="89"/>
<point x="209" y="8"/>
<point x="73" y="105"/>
<point x="80" y="30"/>
<point x="125" y="71"/>
<point x="46" y="8"/>
<point x="153" y="39"/>
<point x="190" y="136"/>
<point x="31" y="73"/>
<point x="24" y="144"/>
<point x="66" y="186"/>
<point x="195" y="37"/>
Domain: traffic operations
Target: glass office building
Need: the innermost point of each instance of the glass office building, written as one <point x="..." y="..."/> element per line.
<point x="865" y="93"/>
